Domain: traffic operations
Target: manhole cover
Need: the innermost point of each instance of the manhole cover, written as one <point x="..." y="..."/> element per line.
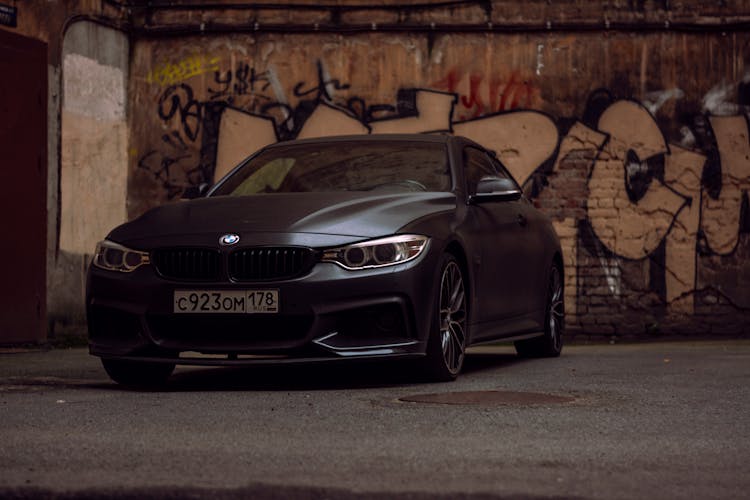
<point x="488" y="398"/>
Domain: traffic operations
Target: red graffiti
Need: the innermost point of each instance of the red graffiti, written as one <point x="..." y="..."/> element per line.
<point x="450" y="82"/>
<point x="487" y="95"/>
<point x="474" y="100"/>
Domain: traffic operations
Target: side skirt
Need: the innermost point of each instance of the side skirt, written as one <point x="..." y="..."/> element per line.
<point x="508" y="339"/>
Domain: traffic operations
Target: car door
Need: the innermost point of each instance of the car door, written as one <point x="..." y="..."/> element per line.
<point x="530" y="246"/>
<point x="501" y="227"/>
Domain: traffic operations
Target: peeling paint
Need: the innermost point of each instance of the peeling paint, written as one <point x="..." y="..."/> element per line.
<point x="93" y="89"/>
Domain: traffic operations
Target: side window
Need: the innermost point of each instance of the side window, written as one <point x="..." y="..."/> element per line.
<point x="478" y="165"/>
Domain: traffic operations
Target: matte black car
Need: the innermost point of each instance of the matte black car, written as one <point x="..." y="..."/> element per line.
<point x="339" y="248"/>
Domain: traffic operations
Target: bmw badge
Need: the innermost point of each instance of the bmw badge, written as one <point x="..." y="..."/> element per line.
<point x="229" y="239"/>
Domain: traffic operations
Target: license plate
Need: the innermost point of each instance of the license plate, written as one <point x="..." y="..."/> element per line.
<point x="224" y="301"/>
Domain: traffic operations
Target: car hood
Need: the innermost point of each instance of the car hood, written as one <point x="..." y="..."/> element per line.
<point x="342" y="217"/>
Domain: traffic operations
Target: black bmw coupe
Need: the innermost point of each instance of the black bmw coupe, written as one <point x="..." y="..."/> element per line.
<point x="339" y="248"/>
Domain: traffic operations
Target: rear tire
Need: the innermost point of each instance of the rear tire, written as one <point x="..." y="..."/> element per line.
<point x="446" y="346"/>
<point x="550" y="344"/>
<point x="138" y="374"/>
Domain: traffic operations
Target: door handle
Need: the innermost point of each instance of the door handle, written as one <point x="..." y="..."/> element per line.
<point x="522" y="220"/>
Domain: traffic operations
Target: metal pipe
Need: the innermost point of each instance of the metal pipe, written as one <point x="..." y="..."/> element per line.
<point x="148" y="28"/>
<point x="447" y="4"/>
<point x="605" y="26"/>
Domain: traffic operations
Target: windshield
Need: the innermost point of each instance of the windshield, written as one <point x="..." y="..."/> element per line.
<point x="343" y="166"/>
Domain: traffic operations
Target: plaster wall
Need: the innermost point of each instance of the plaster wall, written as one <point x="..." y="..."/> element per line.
<point x="93" y="157"/>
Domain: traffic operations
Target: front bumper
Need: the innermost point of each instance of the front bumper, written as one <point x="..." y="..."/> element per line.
<point x="328" y="314"/>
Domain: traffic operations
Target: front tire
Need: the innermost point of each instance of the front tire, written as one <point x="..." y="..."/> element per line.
<point x="446" y="347"/>
<point x="138" y="374"/>
<point x="550" y="344"/>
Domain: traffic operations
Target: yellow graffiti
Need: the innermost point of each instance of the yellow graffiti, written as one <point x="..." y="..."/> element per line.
<point x="171" y="73"/>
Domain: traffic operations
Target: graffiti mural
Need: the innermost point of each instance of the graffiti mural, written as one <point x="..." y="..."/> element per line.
<point x="480" y="95"/>
<point x="638" y="211"/>
<point x="252" y="106"/>
<point x="172" y="73"/>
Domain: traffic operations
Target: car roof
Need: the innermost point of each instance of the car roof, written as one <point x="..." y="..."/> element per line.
<point x="432" y="138"/>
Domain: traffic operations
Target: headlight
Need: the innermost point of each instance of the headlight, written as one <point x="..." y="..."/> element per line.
<point x="115" y="257"/>
<point x="377" y="253"/>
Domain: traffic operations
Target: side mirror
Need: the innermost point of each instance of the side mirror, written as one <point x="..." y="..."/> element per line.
<point x="495" y="189"/>
<point x="192" y="192"/>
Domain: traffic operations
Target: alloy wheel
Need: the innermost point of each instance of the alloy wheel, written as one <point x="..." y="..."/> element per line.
<point x="452" y="317"/>
<point x="556" y="309"/>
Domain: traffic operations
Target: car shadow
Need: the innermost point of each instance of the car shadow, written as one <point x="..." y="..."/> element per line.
<point x="477" y="362"/>
<point x="289" y="377"/>
<point x="320" y="377"/>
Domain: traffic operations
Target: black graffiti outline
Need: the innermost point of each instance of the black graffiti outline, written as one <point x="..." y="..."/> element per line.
<point x="242" y="81"/>
<point x="364" y="113"/>
<point x="546" y="166"/>
<point x="162" y="171"/>
<point x="709" y="185"/>
<point x="406" y="107"/>
<point x="190" y="111"/>
<point x="320" y="90"/>
<point x="209" y="149"/>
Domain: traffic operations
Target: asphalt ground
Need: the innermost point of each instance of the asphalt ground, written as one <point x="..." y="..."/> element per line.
<point x="658" y="420"/>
